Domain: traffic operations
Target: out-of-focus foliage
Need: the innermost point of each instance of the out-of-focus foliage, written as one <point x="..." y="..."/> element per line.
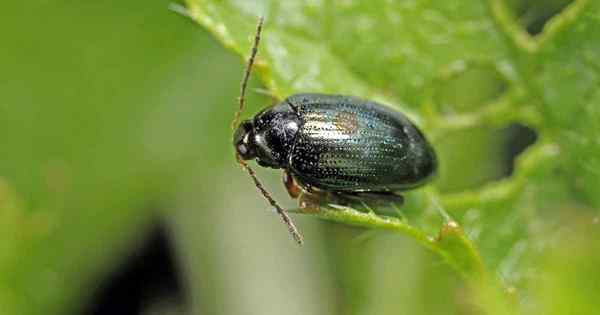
<point x="115" y="115"/>
<point x="103" y="107"/>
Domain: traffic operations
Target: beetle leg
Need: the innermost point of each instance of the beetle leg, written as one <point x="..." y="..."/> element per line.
<point x="310" y="202"/>
<point x="290" y="185"/>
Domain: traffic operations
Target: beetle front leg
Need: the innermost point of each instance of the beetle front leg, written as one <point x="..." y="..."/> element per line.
<point x="291" y="186"/>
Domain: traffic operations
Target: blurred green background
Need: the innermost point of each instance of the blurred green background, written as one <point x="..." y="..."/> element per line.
<point x="114" y="122"/>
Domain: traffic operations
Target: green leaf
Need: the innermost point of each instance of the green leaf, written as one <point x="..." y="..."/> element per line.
<point x="569" y="85"/>
<point x="575" y="283"/>
<point x="451" y="244"/>
<point x="455" y="67"/>
<point x="305" y="49"/>
<point x="104" y="123"/>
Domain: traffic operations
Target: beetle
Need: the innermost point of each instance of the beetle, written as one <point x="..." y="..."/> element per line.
<point x="335" y="144"/>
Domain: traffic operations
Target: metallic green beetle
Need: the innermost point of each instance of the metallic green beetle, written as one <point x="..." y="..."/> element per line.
<point x="339" y="145"/>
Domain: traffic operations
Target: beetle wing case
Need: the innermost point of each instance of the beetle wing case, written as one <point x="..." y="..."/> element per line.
<point x="349" y="144"/>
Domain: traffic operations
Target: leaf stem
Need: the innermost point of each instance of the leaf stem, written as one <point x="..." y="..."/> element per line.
<point x="451" y="244"/>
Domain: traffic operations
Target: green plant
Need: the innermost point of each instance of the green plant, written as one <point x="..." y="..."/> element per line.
<point x="123" y="121"/>
<point x="426" y="58"/>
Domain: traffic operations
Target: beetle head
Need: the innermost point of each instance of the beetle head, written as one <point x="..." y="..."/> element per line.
<point x="261" y="142"/>
<point x="243" y="140"/>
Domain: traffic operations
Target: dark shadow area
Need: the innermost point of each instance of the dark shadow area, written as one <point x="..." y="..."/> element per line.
<point x="533" y="15"/>
<point x="149" y="279"/>
<point x="518" y="138"/>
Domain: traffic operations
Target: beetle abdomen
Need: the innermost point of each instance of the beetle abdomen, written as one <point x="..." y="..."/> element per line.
<point x="349" y="144"/>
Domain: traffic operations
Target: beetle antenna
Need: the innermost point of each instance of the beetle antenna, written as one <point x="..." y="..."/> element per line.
<point x="244" y="84"/>
<point x="284" y="216"/>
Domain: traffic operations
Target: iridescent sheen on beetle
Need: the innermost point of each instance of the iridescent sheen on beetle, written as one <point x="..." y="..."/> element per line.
<point x="331" y="145"/>
<point x="338" y="144"/>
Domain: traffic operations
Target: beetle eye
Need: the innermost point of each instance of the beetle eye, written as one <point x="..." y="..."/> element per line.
<point x="242" y="149"/>
<point x="245" y="151"/>
<point x="242" y="141"/>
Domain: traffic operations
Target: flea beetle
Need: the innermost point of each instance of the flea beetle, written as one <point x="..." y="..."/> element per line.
<point x="332" y="144"/>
